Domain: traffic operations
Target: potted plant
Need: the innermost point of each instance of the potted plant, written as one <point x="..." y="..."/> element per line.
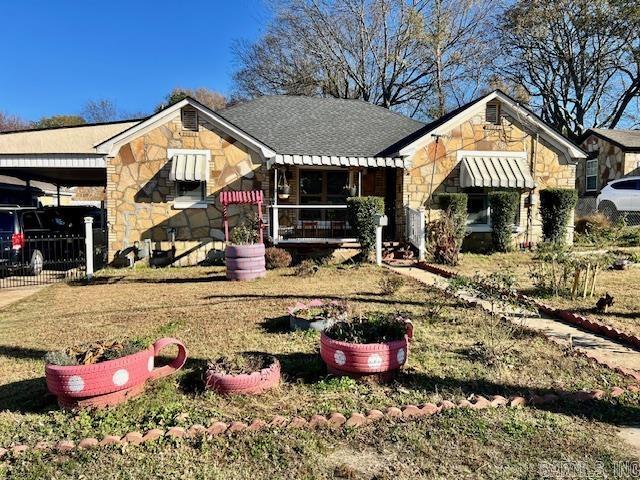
<point x="247" y="373"/>
<point x="317" y="314"/>
<point x="351" y="190"/>
<point x="244" y="255"/>
<point x="373" y="344"/>
<point x="284" y="191"/>
<point x="106" y="373"/>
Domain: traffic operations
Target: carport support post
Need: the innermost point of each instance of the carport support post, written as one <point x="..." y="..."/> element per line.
<point x="88" y="243"/>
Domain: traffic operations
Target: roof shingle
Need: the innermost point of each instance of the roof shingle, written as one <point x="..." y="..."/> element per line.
<point x="627" y="139"/>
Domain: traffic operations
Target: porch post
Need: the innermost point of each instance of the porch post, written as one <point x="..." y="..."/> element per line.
<point x="360" y="182"/>
<point x="88" y="244"/>
<point x="274" y="209"/>
<point x="58" y="191"/>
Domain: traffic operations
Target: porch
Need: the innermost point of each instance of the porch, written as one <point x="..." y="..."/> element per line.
<point x="308" y="196"/>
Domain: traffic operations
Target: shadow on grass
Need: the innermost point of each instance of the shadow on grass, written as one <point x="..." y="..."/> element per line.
<point x="117" y="279"/>
<point x="276" y="324"/>
<point x="304" y="367"/>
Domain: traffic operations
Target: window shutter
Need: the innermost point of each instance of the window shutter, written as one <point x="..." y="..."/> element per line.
<point x="492" y="113"/>
<point x="190" y="119"/>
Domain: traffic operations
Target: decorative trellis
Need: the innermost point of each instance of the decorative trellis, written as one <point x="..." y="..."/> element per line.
<point x="242" y="197"/>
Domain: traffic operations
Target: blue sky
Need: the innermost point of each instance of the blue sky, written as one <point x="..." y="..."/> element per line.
<point x="57" y="54"/>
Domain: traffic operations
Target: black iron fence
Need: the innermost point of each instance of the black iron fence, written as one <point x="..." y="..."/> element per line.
<point x="41" y="259"/>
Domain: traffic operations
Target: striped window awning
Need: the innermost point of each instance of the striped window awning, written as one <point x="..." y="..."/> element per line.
<point x="336" y="161"/>
<point x="188" y="167"/>
<point x="495" y="171"/>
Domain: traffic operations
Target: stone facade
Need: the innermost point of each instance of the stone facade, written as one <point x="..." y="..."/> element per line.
<point x="613" y="163"/>
<point x="140" y="195"/>
<point x="550" y="168"/>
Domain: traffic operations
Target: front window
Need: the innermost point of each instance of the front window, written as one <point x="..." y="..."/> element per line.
<point x="323" y="188"/>
<point x="592" y="174"/>
<point x="478" y="209"/>
<point x="190" y="191"/>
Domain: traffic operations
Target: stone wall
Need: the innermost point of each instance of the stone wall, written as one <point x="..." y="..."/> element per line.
<point x="140" y="194"/>
<point x="613" y="163"/>
<point x="550" y="168"/>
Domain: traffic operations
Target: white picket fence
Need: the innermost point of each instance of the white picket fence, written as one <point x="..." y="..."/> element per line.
<point x="416" y="229"/>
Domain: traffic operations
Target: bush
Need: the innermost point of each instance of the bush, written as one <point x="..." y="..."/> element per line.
<point x="277" y="258"/>
<point x="444" y="242"/>
<point x="504" y="207"/>
<point x="244" y="234"/>
<point x="372" y="327"/>
<point x="455" y="205"/>
<point x="390" y="284"/>
<point x="598" y="230"/>
<point x="556" y="206"/>
<point x="361" y="212"/>
<point x="306" y="268"/>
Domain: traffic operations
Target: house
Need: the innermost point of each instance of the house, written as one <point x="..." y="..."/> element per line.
<point x="163" y="174"/>
<point x="612" y="154"/>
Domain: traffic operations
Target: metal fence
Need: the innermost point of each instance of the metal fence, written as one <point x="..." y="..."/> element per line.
<point x="586" y="207"/>
<point x="41" y="259"/>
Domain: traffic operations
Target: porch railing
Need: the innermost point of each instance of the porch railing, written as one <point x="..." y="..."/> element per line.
<point x="416" y="229"/>
<point x="310" y="223"/>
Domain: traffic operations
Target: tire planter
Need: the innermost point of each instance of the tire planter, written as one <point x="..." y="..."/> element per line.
<point x="357" y="360"/>
<point x="245" y="262"/>
<point x="296" y="322"/>
<point x="112" y="382"/>
<point x="244" y="384"/>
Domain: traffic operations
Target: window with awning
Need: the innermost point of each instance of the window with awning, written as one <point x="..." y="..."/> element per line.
<point x="502" y="170"/>
<point x="189" y="173"/>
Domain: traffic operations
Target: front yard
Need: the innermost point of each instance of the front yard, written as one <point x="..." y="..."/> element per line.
<point x="621" y="284"/>
<point x="215" y="317"/>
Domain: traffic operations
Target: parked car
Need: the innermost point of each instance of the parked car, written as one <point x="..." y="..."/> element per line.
<point x="31" y="236"/>
<point x="621" y="195"/>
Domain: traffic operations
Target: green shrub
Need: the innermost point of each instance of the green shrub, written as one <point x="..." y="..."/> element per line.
<point x="390" y="284"/>
<point x="455" y="205"/>
<point x="277" y="258"/>
<point x="244" y="234"/>
<point x="556" y="206"/>
<point x="504" y="207"/>
<point x="307" y="268"/>
<point x="361" y="212"/>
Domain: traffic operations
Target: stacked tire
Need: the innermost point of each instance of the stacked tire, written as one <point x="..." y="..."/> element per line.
<point x="245" y="262"/>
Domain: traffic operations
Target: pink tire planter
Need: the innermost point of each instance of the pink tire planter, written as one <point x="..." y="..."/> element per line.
<point x="111" y="382"/>
<point x="356" y="360"/>
<point x="245" y="262"/>
<point x="244" y="384"/>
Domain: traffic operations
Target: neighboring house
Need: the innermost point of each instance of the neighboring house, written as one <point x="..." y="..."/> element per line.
<point x="612" y="154"/>
<point x="163" y="174"/>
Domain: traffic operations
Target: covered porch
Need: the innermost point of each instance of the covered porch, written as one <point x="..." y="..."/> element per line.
<point x="308" y="196"/>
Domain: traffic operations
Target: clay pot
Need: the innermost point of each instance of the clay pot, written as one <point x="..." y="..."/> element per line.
<point x="245" y="262"/>
<point x="111" y="382"/>
<point x="246" y="384"/>
<point x="355" y="359"/>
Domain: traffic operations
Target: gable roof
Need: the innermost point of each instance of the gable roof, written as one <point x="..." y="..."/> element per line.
<point x="78" y="139"/>
<point x="111" y="145"/>
<point x="442" y="125"/>
<point x="295" y="125"/>
<point x="628" y="140"/>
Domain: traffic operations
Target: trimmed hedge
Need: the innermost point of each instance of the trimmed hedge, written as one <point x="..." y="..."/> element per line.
<point x="361" y="211"/>
<point x="556" y="205"/>
<point x="504" y="207"/>
<point x="454" y="206"/>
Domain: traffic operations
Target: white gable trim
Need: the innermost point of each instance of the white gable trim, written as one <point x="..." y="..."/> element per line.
<point x="508" y="106"/>
<point x="111" y="146"/>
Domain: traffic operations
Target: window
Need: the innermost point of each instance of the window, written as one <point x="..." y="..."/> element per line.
<point x="189" y="117"/>
<point x="190" y="191"/>
<point x="321" y="188"/>
<point x="492" y="113"/>
<point x="189" y="172"/>
<point x="626" y="185"/>
<point x="592" y="174"/>
<point x="477" y="209"/>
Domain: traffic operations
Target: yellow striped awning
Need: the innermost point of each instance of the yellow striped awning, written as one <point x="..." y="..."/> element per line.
<point x="188" y="167"/>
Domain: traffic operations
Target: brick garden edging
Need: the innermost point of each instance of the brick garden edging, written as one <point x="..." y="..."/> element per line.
<point x="566" y="316"/>
<point x="586" y="323"/>
<point x="334" y="420"/>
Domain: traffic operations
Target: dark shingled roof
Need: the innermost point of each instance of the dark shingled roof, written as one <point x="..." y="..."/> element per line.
<point x="293" y="125"/>
<point x="625" y="139"/>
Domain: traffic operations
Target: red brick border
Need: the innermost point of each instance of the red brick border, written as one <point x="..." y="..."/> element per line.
<point x="335" y="420"/>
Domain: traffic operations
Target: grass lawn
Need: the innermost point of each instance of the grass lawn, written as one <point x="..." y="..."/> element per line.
<point x="215" y="317"/>
<point x="622" y="284"/>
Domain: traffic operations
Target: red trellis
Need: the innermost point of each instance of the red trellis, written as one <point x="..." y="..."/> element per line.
<point x="235" y="197"/>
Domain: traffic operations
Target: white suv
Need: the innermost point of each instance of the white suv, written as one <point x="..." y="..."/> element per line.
<point x="621" y="195"/>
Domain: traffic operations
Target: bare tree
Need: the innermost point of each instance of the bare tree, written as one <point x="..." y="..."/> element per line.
<point x="578" y="59"/>
<point x="394" y="53"/>
<point x="102" y="110"/>
<point x="210" y="98"/>
<point x="9" y="123"/>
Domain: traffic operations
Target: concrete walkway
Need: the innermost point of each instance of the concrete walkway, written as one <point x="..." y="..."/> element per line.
<point x="12" y="295"/>
<point x="601" y="348"/>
